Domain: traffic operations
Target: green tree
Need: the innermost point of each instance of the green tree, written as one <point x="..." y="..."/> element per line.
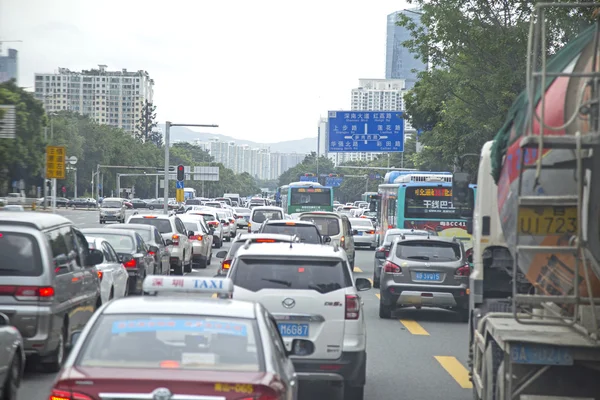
<point x="307" y="166"/>
<point x="23" y="156"/>
<point x="146" y="127"/>
<point x="477" y="53"/>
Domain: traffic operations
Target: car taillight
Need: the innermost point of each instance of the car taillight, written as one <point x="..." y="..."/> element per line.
<point x="249" y="228"/>
<point x="58" y="394"/>
<point x="391" y="268"/>
<point x="197" y="237"/>
<point x="232" y="221"/>
<point x="226" y="264"/>
<point x="175" y="239"/>
<point x="151" y="253"/>
<point x="465" y="270"/>
<point x="352" y="306"/>
<point x="130" y="264"/>
<point x="28" y="292"/>
<point x="225" y="223"/>
<point x="370" y="232"/>
<point x="343" y="242"/>
<point x="100" y="275"/>
<point x="385" y="250"/>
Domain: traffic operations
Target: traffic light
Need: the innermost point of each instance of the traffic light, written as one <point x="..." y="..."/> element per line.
<point x="180" y="173"/>
<point x="49" y="184"/>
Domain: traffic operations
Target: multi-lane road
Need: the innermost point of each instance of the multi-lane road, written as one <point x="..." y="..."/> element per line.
<point x="420" y="354"/>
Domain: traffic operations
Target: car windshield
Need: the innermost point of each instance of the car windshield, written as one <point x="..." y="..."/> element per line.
<point x="260" y="216"/>
<point x="121" y="243"/>
<point x="326" y="225"/>
<point x="362" y="222"/>
<point x="111" y="204"/>
<point x="188" y="342"/>
<point x="306" y="233"/>
<point x="20" y="255"/>
<point x="319" y="275"/>
<point x="163" y="225"/>
<point x="428" y="250"/>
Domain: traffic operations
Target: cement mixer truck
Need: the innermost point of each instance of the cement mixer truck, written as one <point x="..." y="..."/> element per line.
<point x="535" y="286"/>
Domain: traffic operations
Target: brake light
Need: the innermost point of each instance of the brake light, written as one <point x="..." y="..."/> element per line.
<point x="197" y="237"/>
<point x="343" y="242"/>
<point x="249" y="228"/>
<point x="264" y="241"/>
<point x="370" y="232"/>
<point x="232" y="221"/>
<point x="130" y="264"/>
<point x="391" y="268"/>
<point x="226" y="264"/>
<point x="465" y="270"/>
<point x="352" y="306"/>
<point x="68" y="395"/>
<point x="149" y="216"/>
<point x="175" y="239"/>
<point x="27" y="292"/>
<point x="151" y="253"/>
<point x="100" y="275"/>
<point x="385" y="250"/>
<point x="290" y="223"/>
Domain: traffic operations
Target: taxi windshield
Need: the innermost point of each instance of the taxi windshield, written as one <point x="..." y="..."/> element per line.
<point x="188" y="342"/>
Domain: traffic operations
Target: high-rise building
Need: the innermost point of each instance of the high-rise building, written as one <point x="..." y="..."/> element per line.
<point x="399" y="60"/>
<point x="374" y="95"/>
<point x="113" y="98"/>
<point x="8" y="66"/>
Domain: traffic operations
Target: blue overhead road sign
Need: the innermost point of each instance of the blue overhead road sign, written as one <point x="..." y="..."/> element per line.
<point x="333" y="181"/>
<point x="366" y="131"/>
<point x="179" y="185"/>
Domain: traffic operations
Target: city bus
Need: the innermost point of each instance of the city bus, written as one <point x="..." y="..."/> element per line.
<point x="423" y="200"/>
<point x="368" y="196"/>
<point x="298" y="197"/>
<point x="189" y="193"/>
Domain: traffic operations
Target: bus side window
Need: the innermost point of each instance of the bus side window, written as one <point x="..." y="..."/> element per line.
<point x="391" y="212"/>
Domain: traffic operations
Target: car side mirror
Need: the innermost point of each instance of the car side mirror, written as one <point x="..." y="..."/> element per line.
<point x="153" y="249"/>
<point x="4" y="320"/>
<point x="75" y="338"/>
<point x="168" y="242"/>
<point x="354" y="232"/>
<point x="380" y="254"/>
<point x="363" y="284"/>
<point x="222" y="254"/>
<point x="191" y="234"/>
<point x="301" y="347"/>
<point x="126" y="258"/>
<point x="61" y="261"/>
<point x="326" y="239"/>
<point x="95" y="257"/>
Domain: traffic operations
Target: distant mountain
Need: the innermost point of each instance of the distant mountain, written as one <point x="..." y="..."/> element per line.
<point x="183" y="134"/>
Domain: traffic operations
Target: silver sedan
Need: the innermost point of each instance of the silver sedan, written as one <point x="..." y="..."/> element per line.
<point x="365" y="232"/>
<point x="12" y="359"/>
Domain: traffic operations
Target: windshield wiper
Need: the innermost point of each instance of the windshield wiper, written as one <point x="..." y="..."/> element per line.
<point x="281" y="282"/>
<point x="418" y="258"/>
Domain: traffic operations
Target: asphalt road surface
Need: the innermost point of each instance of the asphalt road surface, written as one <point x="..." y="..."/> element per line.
<point x="419" y="355"/>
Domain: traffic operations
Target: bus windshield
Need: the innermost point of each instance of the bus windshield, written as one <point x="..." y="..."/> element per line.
<point x="433" y="202"/>
<point x="311" y="196"/>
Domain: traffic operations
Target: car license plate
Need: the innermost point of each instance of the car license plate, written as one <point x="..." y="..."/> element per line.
<point x="298" y="330"/>
<point x="360" y="233"/>
<point x="427" y="276"/>
<point x="547" y="220"/>
<point x="524" y="353"/>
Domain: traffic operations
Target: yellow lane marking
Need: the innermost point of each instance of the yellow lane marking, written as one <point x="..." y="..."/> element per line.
<point x="214" y="296"/>
<point x="378" y="295"/>
<point x="356" y="269"/>
<point x="456" y="371"/>
<point x="370" y="280"/>
<point x="414" y="327"/>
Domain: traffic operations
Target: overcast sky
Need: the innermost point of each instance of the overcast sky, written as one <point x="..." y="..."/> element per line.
<point x="263" y="70"/>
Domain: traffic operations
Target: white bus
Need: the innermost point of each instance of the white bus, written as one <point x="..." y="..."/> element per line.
<point x="189" y="193"/>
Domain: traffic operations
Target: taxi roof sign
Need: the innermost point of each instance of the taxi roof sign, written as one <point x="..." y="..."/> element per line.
<point x="187" y="284"/>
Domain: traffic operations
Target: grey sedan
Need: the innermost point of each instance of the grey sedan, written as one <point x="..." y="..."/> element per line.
<point x="12" y="359"/>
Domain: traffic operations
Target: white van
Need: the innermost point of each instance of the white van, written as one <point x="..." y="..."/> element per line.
<point x="262" y="213"/>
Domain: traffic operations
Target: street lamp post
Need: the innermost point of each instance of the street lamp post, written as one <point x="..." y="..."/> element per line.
<point x="168" y="126"/>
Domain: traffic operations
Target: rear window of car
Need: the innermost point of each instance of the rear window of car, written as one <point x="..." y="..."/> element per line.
<point x="261" y="216"/>
<point x="187" y="342"/>
<point x="243" y="210"/>
<point x="362" y="222"/>
<point x="163" y="225"/>
<point x="20" y="255"/>
<point x="191" y="226"/>
<point x="319" y="275"/>
<point x="121" y="243"/>
<point x="192" y="202"/>
<point x="306" y="233"/>
<point x="327" y="226"/>
<point x="145" y="234"/>
<point x="428" y="250"/>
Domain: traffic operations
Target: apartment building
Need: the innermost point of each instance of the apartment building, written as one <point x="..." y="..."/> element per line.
<point x="114" y="98"/>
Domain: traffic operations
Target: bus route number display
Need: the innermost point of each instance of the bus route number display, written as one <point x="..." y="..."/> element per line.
<point x="433" y="192"/>
<point x="310" y="190"/>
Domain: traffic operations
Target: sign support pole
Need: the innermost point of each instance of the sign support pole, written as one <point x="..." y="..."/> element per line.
<point x="53" y="195"/>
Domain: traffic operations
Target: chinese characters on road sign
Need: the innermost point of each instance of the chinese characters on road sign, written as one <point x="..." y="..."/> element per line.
<point x="366" y="131"/>
<point x="55" y="163"/>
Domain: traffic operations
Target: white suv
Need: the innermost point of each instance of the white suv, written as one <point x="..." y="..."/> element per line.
<point x="310" y="291"/>
<point x="176" y="237"/>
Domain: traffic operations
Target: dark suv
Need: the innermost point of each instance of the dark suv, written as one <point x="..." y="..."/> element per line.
<point x="307" y="232"/>
<point x="430" y="271"/>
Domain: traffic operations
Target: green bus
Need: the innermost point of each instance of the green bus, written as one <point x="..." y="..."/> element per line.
<point x="368" y="196"/>
<point x="299" y="197"/>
